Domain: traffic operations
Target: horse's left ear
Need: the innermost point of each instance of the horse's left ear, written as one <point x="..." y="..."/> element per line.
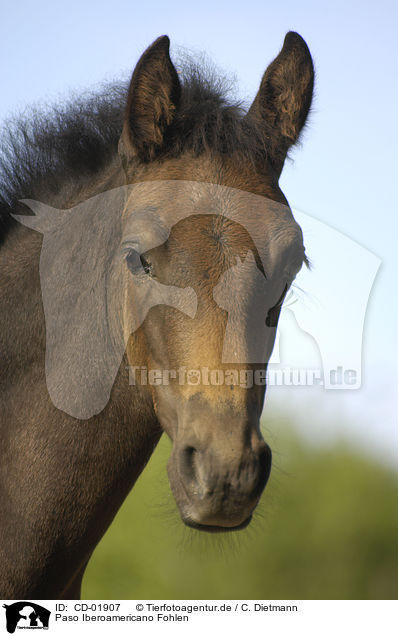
<point x="152" y="101"/>
<point x="282" y="103"/>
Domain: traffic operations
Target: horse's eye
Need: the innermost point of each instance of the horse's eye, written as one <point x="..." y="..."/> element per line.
<point x="146" y="265"/>
<point x="137" y="263"/>
<point x="273" y="314"/>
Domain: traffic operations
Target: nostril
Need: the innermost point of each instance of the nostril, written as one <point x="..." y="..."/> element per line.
<point x="264" y="465"/>
<point x="187" y="462"/>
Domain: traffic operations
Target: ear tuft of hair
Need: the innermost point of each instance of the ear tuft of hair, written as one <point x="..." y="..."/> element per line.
<point x="285" y="94"/>
<point x="152" y="101"/>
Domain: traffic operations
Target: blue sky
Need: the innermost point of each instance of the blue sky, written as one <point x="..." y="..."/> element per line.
<point x="344" y="173"/>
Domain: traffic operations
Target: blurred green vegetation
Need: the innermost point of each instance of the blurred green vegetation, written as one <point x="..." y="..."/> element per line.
<point x="327" y="527"/>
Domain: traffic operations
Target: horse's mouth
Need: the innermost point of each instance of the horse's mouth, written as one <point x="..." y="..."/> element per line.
<point x="213" y="529"/>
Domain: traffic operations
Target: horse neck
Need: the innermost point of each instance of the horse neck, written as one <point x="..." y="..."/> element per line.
<point x="64" y="460"/>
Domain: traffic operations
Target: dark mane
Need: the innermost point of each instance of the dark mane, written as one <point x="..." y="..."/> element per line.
<point x="52" y="147"/>
<point x="211" y="120"/>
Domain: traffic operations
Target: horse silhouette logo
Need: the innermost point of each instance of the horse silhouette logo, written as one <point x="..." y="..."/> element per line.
<point x="83" y="253"/>
<point x="26" y="615"/>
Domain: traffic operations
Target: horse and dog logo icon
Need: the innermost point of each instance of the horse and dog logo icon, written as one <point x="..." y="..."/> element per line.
<point x="26" y="615"/>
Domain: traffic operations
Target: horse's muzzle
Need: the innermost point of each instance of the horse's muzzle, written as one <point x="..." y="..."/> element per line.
<point x="218" y="484"/>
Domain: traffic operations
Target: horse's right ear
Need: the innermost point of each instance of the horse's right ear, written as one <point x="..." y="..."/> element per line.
<point x="152" y="101"/>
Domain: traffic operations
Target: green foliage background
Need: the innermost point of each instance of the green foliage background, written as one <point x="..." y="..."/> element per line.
<point x="327" y="527"/>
